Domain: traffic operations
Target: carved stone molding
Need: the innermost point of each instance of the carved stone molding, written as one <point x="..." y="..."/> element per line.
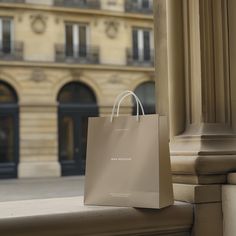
<point x="38" y="23"/>
<point x="38" y="75"/>
<point x="76" y="74"/>
<point x="115" y="79"/>
<point x="112" y="28"/>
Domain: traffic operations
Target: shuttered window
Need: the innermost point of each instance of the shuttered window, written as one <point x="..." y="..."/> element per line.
<point x="69" y="40"/>
<point x="141" y="44"/>
<point x="6" y="35"/>
<point x="76" y="40"/>
<point x="146" y="45"/>
<point x="135" y="44"/>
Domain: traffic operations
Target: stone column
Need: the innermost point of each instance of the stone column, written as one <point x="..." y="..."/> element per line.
<point x="203" y="144"/>
<point x="193" y="87"/>
<point x="38" y="141"/>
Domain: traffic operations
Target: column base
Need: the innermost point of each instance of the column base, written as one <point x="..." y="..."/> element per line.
<point x="203" y="154"/>
<point x="39" y="169"/>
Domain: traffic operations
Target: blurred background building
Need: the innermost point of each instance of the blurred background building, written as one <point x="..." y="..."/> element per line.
<point x="62" y="61"/>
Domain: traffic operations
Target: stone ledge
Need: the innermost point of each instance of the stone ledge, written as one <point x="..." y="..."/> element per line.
<point x="199" y="179"/>
<point x="95" y="67"/>
<point x="231" y="178"/>
<point x="68" y="216"/>
<point x="203" y="165"/>
<point x="197" y="193"/>
<point x="77" y="10"/>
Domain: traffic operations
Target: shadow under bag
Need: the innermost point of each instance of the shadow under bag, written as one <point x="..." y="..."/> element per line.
<point x="128" y="161"/>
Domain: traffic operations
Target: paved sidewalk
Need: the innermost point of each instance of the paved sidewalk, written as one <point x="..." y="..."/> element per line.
<point x="24" y="189"/>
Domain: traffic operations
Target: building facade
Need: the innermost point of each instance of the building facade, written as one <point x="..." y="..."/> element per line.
<point x="62" y="61"/>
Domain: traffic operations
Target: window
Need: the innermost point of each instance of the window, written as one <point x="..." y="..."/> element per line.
<point x="141" y="44"/>
<point x="76" y="40"/>
<point x="140" y="6"/>
<point x="145" y="4"/>
<point x="5" y="35"/>
<point x="76" y="93"/>
<point x="93" y="4"/>
<point x="146" y="94"/>
<point x="8" y="131"/>
<point x="77" y="102"/>
<point x="7" y="94"/>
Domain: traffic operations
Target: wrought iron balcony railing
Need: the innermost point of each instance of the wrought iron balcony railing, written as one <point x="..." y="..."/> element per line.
<point x="84" y="55"/>
<point x="140" y="57"/>
<point x="136" y="7"/>
<point x="92" y="4"/>
<point x="11" y="50"/>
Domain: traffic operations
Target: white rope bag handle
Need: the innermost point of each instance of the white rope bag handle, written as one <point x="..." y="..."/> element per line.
<point x="138" y="103"/>
<point x="120" y="98"/>
<point x="117" y="100"/>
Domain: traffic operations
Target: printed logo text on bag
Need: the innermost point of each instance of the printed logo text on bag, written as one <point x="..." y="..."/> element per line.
<point x="121" y="159"/>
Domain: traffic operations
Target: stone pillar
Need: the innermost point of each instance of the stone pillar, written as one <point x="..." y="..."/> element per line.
<point x="193" y="87"/>
<point x="229" y="189"/>
<point x="203" y="144"/>
<point x="38" y="141"/>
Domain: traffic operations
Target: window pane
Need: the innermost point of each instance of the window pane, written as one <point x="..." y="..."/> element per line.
<point x="6" y="139"/>
<point x="82" y="41"/>
<point x="85" y="94"/>
<point x="6" y="35"/>
<point x="145" y="4"/>
<point x="69" y="40"/>
<point x="77" y="93"/>
<point x="7" y="95"/>
<point x="146" y="40"/>
<point x="133" y="3"/>
<point x="67" y="132"/>
<point x="146" y="94"/>
<point x="135" y="44"/>
<point x="149" y="94"/>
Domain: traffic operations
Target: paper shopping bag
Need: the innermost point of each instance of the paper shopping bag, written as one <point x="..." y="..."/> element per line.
<point x="128" y="162"/>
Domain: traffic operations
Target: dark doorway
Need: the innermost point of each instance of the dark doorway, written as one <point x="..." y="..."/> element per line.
<point x="9" y="127"/>
<point x="146" y="94"/>
<point x="77" y="102"/>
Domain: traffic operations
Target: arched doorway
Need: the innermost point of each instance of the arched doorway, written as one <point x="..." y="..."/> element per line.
<point x="9" y="137"/>
<point x="146" y="93"/>
<point x="77" y="102"/>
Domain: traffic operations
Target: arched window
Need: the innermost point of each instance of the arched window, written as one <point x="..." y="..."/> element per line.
<point x="7" y="93"/>
<point x="76" y="93"/>
<point x="146" y="93"/>
<point x="77" y="102"/>
<point x="8" y="131"/>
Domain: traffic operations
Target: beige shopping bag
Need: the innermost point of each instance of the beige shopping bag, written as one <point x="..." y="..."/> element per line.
<point x="128" y="162"/>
